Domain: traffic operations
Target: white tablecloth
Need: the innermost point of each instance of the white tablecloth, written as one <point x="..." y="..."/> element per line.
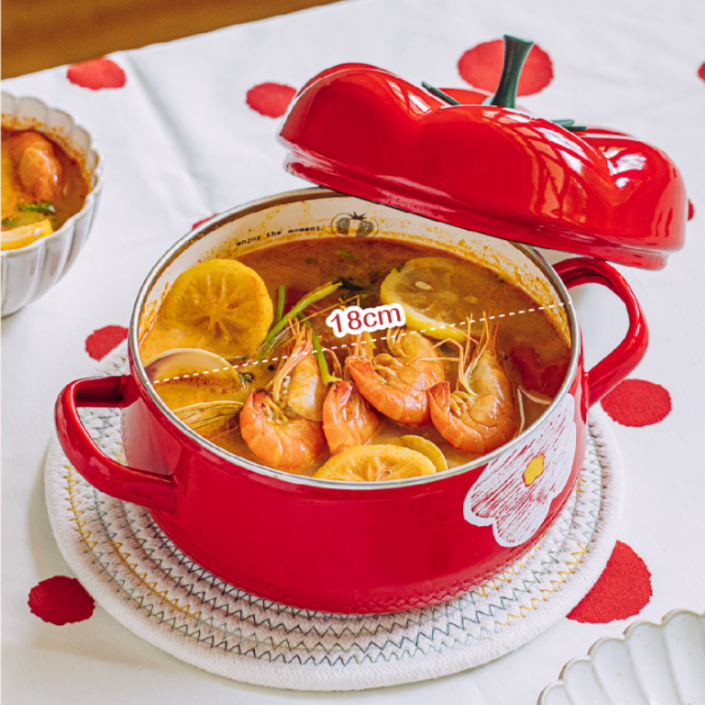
<point x="180" y="144"/>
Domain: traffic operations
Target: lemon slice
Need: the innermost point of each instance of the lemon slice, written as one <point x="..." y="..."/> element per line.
<point x="437" y="295"/>
<point x="374" y="463"/>
<point x="25" y="235"/>
<point x="425" y="447"/>
<point x="223" y="304"/>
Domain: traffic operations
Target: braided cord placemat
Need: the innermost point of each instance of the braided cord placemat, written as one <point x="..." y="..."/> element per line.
<point x="139" y="577"/>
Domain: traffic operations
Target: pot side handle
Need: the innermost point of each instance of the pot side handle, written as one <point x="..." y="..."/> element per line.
<point x="129" y="484"/>
<point x="610" y="371"/>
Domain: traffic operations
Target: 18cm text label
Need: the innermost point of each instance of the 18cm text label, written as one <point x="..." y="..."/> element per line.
<point x="354" y="320"/>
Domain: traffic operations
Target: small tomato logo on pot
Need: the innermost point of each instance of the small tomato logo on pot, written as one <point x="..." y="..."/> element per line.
<point x="353" y="224"/>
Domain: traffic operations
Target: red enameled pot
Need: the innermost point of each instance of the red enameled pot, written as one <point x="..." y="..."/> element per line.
<point x="338" y="546"/>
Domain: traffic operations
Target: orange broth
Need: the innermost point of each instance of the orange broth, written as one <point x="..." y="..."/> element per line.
<point x="533" y="353"/>
<point x="15" y="195"/>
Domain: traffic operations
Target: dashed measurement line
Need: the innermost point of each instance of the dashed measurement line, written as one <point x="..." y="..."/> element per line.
<point x="176" y="378"/>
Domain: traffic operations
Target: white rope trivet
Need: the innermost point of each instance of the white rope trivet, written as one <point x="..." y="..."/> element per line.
<point x="139" y="577"/>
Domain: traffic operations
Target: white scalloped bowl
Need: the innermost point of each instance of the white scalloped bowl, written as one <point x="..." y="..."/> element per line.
<point x="650" y="664"/>
<point x="29" y="272"/>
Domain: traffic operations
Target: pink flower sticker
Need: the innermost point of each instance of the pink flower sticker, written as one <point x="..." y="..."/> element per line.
<point x="515" y="491"/>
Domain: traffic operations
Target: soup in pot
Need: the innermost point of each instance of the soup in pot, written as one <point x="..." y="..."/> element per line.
<point x="353" y="359"/>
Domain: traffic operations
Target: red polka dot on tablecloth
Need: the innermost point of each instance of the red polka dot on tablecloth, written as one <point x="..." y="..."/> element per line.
<point x="481" y="67"/>
<point x="701" y="72"/>
<point x="201" y="221"/>
<point x="60" y="600"/>
<point x="102" y="341"/>
<point x="270" y="99"/>
<point x="622" y="591"/>
<point x="96" y="74"/>
<point x="691" y="210"/>
<point x="636" y="402"/>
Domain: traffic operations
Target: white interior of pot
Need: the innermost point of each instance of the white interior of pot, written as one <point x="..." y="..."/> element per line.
<point x="313" y="215"/>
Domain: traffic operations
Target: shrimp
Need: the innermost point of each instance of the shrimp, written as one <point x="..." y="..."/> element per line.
<point x="396" y="383"/>
<point x="277" y="440"/>
<point x="347" y="419"/>
<point x="39" y="169"/>
<point x="307" y="392"/>
<point x="281" y="428"/>
<point x="483" y="414"/>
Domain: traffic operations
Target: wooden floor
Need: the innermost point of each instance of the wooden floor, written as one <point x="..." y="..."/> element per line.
<point x="39" y="34"/>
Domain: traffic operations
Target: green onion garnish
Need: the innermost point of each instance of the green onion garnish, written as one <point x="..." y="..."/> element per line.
<point x="280" y="303"/>
<point x="43" y="207"/>
<point x="316" y="295"/>
<point x="326" y="376"/>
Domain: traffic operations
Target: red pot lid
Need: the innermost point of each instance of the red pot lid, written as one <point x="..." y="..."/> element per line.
<point x="366" y="132"/>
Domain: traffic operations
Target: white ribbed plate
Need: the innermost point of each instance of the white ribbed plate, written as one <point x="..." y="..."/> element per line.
<point x="650" y="664"/>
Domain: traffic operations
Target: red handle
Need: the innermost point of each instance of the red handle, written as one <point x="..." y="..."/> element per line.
<point x="104" y="473"/>
<point x="608" y="373"/>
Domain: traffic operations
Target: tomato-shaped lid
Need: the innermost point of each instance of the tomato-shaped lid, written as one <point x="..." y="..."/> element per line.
<point x="474" y="161"/>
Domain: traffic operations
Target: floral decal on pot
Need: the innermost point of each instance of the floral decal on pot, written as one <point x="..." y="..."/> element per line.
<point x="515" y="491"/>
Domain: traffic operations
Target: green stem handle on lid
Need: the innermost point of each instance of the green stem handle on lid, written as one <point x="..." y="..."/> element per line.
<point x="515" y="52"/>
